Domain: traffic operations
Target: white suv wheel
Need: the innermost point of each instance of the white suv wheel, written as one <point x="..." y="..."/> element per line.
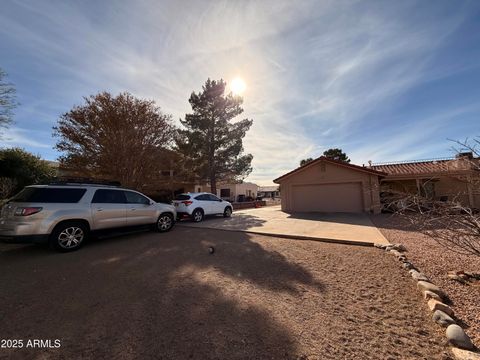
<point x="228" y="212"/>
<point x="197" y="215"/>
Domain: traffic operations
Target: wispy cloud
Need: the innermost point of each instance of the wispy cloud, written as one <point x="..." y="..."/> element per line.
<point x="17" y="137"/>
<point x="319" y="74"/>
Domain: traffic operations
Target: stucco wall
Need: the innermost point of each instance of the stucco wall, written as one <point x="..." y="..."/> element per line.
<point x="454" y="188"/>
<point x="327" y="173"/>
<point x="246" y="189"/>
<point x="235" y="189"/>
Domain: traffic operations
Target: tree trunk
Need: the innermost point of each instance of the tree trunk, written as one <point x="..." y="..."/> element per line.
<point x="211" y="158"/>
<point x="213" y="184"/>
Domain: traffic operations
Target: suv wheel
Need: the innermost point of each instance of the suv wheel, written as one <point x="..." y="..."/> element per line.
<point x="164" y="223"/>
<point x="197" y="215"/>
<point x="68" y="236"/>
<point x="227" y="212"/>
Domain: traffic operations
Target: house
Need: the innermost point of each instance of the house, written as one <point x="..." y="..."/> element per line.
<point x="452" y="179"/>
<point x="232" y="192"/>
<point x="327" y="185"/>
<point x="270" y="192"/>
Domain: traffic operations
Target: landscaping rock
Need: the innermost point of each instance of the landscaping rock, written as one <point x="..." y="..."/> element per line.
<point x="456" y="336"/>
<point x="461" y="278"/>
<point x="418" y="275"/>
<point x="408" y="265"/>
<point x="427" y="286"/>
<point x="461" y="354"/>
<point x="435" y="305"/>
<point x="427" y="295"/>
<point x="380" y="246"/>
<point x="442" y="319"/>
<point x="396" y="253"/>
<point x="399" y="247"/>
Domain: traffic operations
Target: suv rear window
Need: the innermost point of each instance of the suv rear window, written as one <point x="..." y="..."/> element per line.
<point x="49" y="195"/>
<point x="182" y="197"/>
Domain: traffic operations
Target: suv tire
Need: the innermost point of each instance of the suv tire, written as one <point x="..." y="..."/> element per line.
<point x="68" y="236"/>
<point x="164" y="223"/>
<point x="227" y="212"/>
<point x="197" y="215"/>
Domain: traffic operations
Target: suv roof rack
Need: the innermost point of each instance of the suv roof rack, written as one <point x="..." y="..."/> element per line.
<point x="83" y="181"/>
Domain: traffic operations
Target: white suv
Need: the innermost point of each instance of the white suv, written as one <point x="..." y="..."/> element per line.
<point x="197" y="205"/>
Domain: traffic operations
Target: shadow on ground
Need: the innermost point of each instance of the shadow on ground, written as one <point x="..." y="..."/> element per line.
<point x="247" y="221"/>
<point x="149" y="295"/>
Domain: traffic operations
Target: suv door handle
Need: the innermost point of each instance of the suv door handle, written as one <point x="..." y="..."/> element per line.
<point x="99" y="209"/>
<point x="133" y="209"/>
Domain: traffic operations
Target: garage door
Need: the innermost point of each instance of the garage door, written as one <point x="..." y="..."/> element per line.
<point x="328" y="197"/>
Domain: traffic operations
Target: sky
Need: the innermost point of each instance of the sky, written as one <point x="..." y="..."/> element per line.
<point x="383" y="80"/>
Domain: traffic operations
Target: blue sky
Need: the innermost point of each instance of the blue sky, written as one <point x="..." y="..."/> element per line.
<point x="383" y="80"/>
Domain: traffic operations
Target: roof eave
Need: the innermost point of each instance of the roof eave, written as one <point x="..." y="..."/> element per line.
<point x="334" y="162"/>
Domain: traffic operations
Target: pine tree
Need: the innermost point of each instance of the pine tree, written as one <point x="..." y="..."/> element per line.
<point x="210" y="143"/>
<point x="336" y="154"/>
<point x="305" y="161"/>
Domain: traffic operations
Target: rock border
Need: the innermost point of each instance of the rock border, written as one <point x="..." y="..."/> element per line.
<point x="443" y="315"/>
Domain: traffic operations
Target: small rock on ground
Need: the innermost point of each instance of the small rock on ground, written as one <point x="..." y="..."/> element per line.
<point x="400" y="247"/>
<point x="396" y="247"/>
<point x="427" y="295"/>
<point x="456" y="336"/>
<point x="418" y="275"/>
<point x="461" y="354"/>
<point x="396" y="253"/>
<point x="408" y="265"/>
<point x="442" y="319"/>
<point x="455" y="277"/>
<point x="435" y="305"/>
<point x="424" y="285"/>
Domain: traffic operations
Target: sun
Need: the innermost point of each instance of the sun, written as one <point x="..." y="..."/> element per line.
<point x="238" y="86"/>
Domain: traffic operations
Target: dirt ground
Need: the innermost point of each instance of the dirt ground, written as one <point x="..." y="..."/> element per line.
<point x="164" y="296"/>
<point x="436" y="261"/>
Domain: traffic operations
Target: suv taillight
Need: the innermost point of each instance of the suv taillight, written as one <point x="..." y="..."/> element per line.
<point x="25" y="211"/>
<point x="187" y="202"/>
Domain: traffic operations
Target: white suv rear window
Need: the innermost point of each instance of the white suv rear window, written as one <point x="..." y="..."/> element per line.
<point x="182" y="197"/>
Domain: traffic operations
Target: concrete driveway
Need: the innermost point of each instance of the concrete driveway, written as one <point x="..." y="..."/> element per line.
<point x="270" y="220"/>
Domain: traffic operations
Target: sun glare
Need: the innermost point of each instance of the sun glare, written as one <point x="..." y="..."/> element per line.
<point x="238" y="86"/>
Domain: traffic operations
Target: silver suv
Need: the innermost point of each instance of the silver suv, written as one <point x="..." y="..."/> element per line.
<point x="65" y="215"/>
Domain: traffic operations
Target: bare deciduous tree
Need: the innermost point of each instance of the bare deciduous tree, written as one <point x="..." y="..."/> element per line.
<point x="451" y="224"/>
<point x="7" y="100"/>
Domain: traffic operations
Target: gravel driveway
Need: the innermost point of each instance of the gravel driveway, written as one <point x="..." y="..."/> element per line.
<point x="164" y="296"/>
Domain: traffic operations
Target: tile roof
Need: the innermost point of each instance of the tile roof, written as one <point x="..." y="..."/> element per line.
<point x="423" y="167"/>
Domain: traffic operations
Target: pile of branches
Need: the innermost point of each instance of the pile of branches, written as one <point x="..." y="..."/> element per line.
<point x="449" y="223"/>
